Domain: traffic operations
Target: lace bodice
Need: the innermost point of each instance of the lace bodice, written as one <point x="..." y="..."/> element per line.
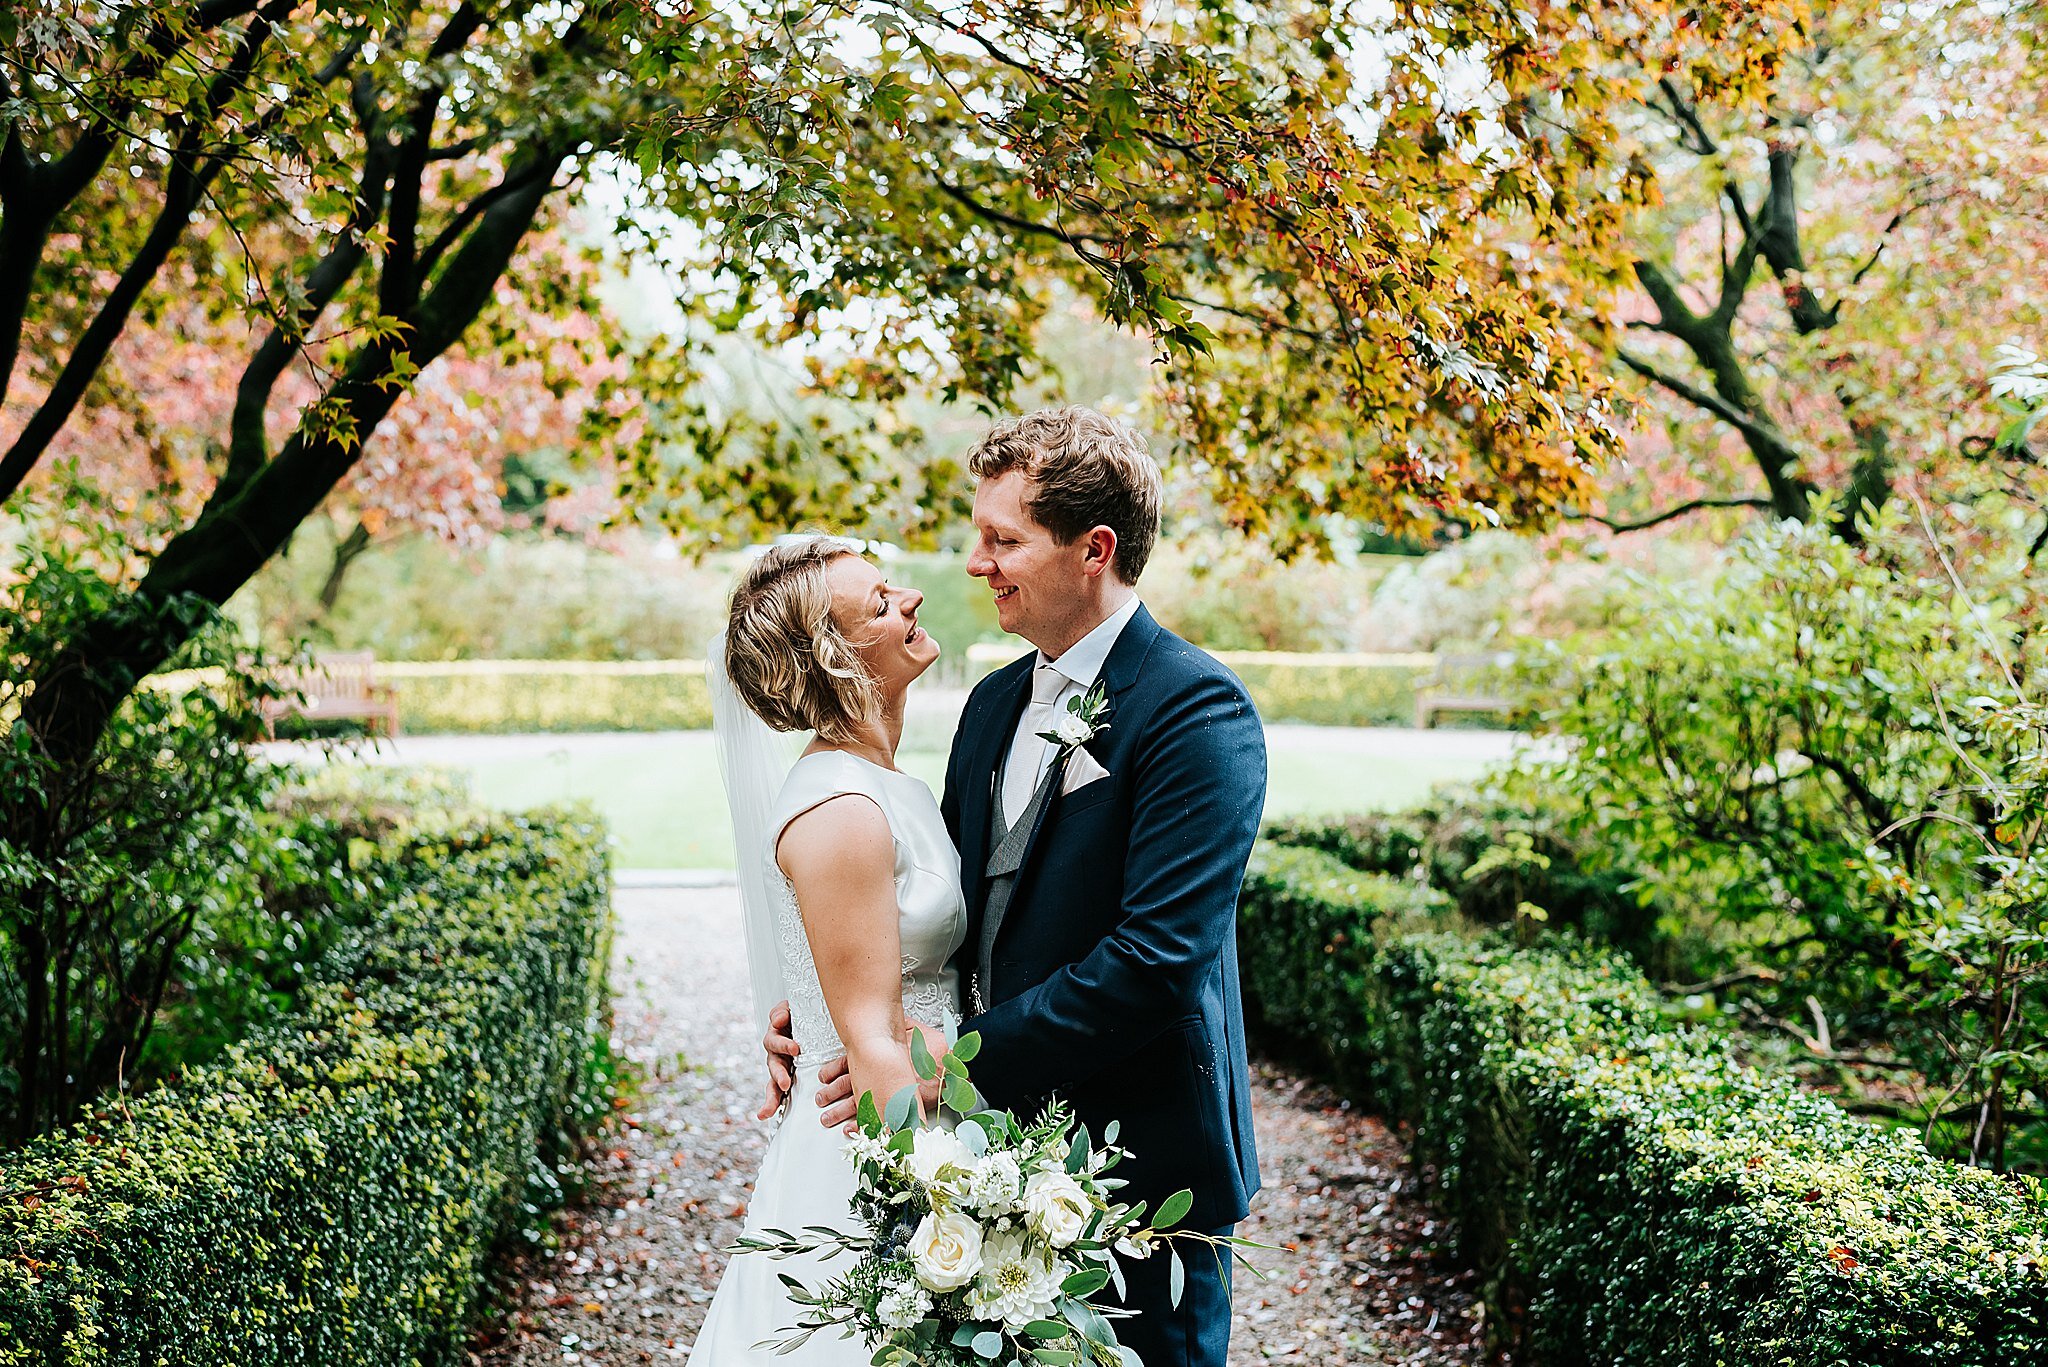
<point x="931" y="913"/>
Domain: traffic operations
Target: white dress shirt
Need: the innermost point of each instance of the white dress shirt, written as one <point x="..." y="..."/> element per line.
<point x="1029" y="755"/>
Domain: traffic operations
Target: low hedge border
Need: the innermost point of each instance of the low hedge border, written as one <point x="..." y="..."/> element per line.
<point x="1630" y="1193"/>
<point x="330" y="1190"/>
<point x="1331" y="689"/>
<point x="511" y="696"/>
<point x="521" y="696"/>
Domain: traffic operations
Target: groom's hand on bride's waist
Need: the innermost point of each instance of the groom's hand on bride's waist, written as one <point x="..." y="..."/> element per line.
<point x="781" y="1048"/>
<point x="835" y="1081"/>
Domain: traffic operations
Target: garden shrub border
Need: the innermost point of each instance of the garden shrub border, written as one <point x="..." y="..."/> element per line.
<point x="330" y="1190"/>
<point x="495" y="697"/>
<point x="1629" y="1192"/>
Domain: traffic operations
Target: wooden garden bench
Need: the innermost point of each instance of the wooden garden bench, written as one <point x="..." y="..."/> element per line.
<point x="1462" y="683"/>
<point x="342" y="685"/>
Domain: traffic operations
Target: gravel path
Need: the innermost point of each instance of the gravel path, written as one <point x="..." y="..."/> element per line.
<point x="1357" y="1275"/>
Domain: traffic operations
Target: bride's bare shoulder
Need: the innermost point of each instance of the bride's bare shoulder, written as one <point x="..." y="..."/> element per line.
<point x="839" y="835"/>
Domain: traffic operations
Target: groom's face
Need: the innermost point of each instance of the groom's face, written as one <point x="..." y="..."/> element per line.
<point x="1036" y="580"/>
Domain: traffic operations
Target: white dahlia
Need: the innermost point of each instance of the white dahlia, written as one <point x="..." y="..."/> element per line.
<point x="1019" y="1281"/>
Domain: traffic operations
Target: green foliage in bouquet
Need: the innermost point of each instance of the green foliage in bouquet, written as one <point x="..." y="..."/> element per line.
<point x="983" y="1240"/>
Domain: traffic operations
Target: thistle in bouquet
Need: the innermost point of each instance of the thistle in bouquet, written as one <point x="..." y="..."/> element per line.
<point x="982" y="1238"/>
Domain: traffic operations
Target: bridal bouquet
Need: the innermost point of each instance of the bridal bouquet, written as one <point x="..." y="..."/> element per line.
<point x="980" y="1243"/>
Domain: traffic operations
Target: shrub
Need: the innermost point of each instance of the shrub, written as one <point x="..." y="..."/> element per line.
<point x="109" y="857"/>
<point x="328" y="1191"/>
<point x="507" y="696"/>
<point x="1313" y="910"/>
<point x="1332" y="690"/>
<point x="1630" y="1192"/>
<point x="1456" y="844"/>
<point x="1831" y="746"/>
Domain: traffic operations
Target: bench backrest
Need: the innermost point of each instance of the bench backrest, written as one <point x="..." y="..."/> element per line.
<point x="343" y="676"/>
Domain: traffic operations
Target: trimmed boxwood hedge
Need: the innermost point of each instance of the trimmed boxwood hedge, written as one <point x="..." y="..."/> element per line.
<point x="1310" y="689"/>
<point x="1630" y="1193"/>
<point x="521" y="696"/>
<point x="328" y="1192"/>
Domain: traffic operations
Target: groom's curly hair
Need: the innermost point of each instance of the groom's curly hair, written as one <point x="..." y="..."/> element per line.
<point x="1092" y="471"/>
<point x="785" y="654"/>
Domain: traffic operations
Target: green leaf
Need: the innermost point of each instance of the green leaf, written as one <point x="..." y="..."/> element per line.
<point x="1176" y="1278"/>
<point x="1173" y="1209"/>
<point x="967" y="1046"/>
<point x="1086" y="1282"/>
<point x="1046" y="1329"/>
<point x="921" y="1057"/>
<point x="988" y="1344"/>
<point x="902" y="1109"/>
<point x="1077" y="1154"/>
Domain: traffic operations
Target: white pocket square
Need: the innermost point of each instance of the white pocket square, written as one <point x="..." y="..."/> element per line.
<point x="1082" y="770"/>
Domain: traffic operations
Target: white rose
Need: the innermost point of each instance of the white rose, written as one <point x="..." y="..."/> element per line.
<point x="1072" y="730"/>
<point x="1056" y="1207"/>
<point x="946" y="1250"/>
<point x="933" y="1152"/>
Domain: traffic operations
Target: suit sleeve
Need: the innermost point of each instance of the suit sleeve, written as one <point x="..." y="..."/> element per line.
<point x="1199" y="791"/>
<point x="956" y="757"/>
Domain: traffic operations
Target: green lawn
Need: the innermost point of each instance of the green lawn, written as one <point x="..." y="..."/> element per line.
<point x="662" y="796"/>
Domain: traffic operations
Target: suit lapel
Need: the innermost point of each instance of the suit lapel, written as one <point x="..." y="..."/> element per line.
<point x="1119" y="672"/>
<point x="978" y="802"/>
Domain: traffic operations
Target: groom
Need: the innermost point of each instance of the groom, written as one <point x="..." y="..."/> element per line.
<point x="1102" y="878"/>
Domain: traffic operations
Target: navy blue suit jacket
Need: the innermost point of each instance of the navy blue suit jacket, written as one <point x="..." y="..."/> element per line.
<point x="1115" y="970"/>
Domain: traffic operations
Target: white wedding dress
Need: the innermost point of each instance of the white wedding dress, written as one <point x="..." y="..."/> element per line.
<point x="805" y="1178"/>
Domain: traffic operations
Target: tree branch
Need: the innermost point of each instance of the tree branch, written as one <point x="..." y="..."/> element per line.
<point x="1688" y="117"/>
<point x="185" y="187"/>
<point x="1014" y="221"/>
<point x="399" y="288"/>
<point x="470" y="212"/>
<point x="1669" y="514"/>
<point x="1713" y="403"/>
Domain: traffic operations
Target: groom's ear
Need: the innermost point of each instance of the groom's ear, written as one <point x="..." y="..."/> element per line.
<point x="1098" y="551"/>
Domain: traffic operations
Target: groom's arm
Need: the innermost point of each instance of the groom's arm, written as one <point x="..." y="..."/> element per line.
<point x="1200" y="789"/>
<point x="949" y="797"/>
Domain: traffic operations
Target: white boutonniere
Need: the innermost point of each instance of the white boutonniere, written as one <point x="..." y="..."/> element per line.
<point x="1087" y="717"/>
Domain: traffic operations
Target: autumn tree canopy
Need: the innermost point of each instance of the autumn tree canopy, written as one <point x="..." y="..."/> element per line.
<point x="1823" y="278"/>
<point x="1362" y="235"/>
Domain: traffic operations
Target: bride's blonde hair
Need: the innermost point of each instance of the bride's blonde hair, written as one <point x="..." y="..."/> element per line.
<point x="787" y="658"/>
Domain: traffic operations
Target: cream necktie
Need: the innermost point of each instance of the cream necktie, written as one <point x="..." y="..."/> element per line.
<point x="1027" y="750"/>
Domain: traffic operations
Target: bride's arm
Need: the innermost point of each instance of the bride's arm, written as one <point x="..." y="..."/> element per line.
<point x="842" y="862"/>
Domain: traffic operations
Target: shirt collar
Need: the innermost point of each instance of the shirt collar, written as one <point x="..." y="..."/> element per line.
<point x="1084" y="659"/>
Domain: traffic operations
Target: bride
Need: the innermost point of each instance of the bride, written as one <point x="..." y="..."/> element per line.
<point x="849" y="885"/>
